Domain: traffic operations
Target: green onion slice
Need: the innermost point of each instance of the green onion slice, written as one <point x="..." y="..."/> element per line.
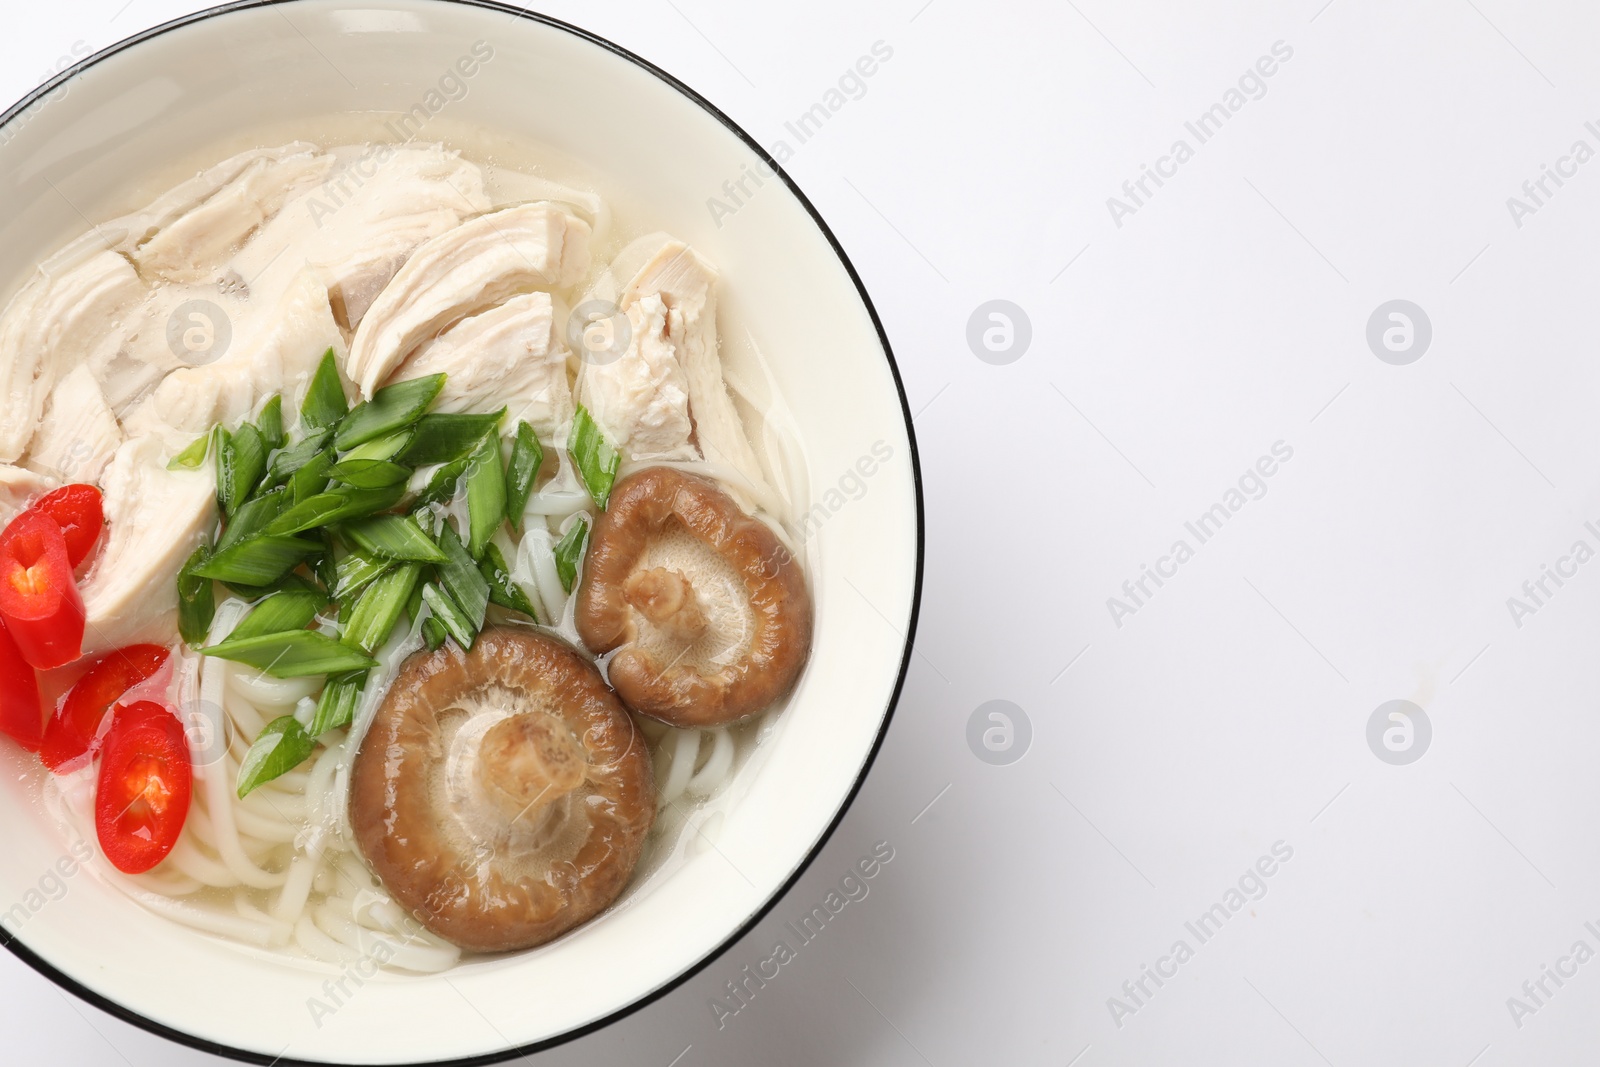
<point x="287" y="461"/>
<point x="289" y="609"/>
<point x="391" y="408"/>
<point x="191" y="458"/>
<point x="393" y="537"/>
<point x="258" y="561"/>
<point x="325" y="403"/>
<point x="450" y="616"/>
<point x="282" y="745"/>
<point x="369" y="473"/>
<point x="569" y="551"/>
<point x="378" y="610"/>
<point x="292" y="654"/>
<point x="443" y="485"/>
<point x="355" y="572"/>
<point x="596" y="458"/>
<point x="526" y="456"/>
<point x="335" y="505"/>
<point x="486" y="495"/>
<point x="270" y="423"/>
<point x="197" y="601"/>
<point x="336" y="707"/>
<point x="460" y="577"/>
<point x="449" y="437"/>
<point x="503" y="589"/>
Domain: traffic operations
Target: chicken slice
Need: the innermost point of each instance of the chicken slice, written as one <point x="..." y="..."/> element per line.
<point x="509" y="356"/>
<point x="462" y="271"/>
<point x="686" y="284"/>
<point x="193" y="246"/>
<point x="155" y="518"/>
<point x="79" y="432"/>
<point x="58" y="319"/>
<point x="128" y="232"/>
<point x="641" y="398"/>
<point x="377" y="205"/>
<point x="19" y="488"/>
<point x="275" y="348"/>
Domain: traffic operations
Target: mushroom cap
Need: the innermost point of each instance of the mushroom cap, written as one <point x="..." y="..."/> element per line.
<point x="706" y="609"/>
<point x="502" y="795"/>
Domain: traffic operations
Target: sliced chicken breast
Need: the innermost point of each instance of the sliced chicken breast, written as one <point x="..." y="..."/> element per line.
<point x="686" y="284"/>
<point x="54" y="323"/>
<point x="508" y="356"/>
<point x="155" y="518"/>
<point x="275" y="348"/>
<point x="462" y="271"/>
<point x="641" y="398"/>
<point x="127" y="232"/>
<point x="361" y="224"/>
<point x="193" y="246"/>
<point x="79" y="433"/>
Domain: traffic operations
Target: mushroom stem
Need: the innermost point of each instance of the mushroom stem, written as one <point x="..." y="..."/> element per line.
<point x="667" y="599"/>
<point x="529" y="762"/>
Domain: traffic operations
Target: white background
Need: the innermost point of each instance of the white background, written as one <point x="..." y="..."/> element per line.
<point x="1229" y="713"/>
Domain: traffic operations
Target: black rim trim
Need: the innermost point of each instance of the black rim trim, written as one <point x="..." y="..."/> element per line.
<point x="14" y="944"/>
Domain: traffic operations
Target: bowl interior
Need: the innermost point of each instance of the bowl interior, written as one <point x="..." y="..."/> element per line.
<point x="258" y="74"/>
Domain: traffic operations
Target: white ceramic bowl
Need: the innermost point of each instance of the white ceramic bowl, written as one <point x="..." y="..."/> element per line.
<point x="156" y="101"/>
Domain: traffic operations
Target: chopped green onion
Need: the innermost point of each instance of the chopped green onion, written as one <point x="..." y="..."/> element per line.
<point x="270" y="423"/>
<point x="336" y="707"/>
<point x="355" y="572"/>
<point x="311" y="479"/>
<point x="325" y="403"/>
<point x="446" y="438"/>
<point x="375" y="614"/>
<point x="442" y="486"/>
<point x="254" y="593"/>
<point x="486" y="494"/>
<point x="570" y="551"/>
<point x="503" y="589"/>
<point x="450" y="616"/>
<point x="433" y="633"/>
<point x="197" y="601"/>
<point x="394" y="537"/>
<point x="253" y="516"/>
<point x="369" y="473"/>
<point x="526" y="456"/>
<point x="391" y="408"/>
<point x="258" y="561"/>
<point x="289" y="460"/>
<point x="460" y="577"/>
<point x="290" y="609"/>
<point x="191" y="458"/>
<point x="292" y="654"/>
<point x="241" y="461"/>
<point x="282" y="745"/>
<point x="596" y="458"/>
<point x="386" y="447"/>
<point x="335" y="505"/>
<point x="325" y="563"/>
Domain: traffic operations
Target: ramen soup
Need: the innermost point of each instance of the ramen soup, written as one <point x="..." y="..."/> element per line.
<point x="394" y="558"/>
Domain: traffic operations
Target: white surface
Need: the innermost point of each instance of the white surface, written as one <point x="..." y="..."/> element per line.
<point x="1231" y="711"/>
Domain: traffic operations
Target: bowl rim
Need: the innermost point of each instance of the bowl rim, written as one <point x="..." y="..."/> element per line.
<point x="13" y="942"/>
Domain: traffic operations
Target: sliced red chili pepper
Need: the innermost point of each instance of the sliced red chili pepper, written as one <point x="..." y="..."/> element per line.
<point x="142" y="794"/>
<point x="39" y="599"/>
<point x="72" y="732"/>
<point x="20" y="714"/>
<point x="80" y="512"/>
